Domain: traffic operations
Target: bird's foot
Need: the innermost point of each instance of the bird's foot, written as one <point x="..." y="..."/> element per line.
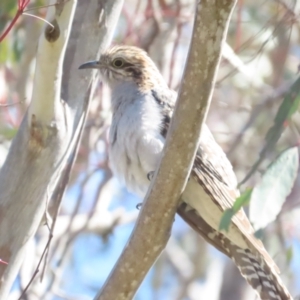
<point x="150" y="175"/>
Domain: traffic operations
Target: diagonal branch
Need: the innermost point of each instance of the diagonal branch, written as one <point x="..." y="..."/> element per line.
<point x="153" y="227"/>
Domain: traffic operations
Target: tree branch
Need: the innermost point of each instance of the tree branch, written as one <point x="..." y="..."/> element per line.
<point x="36" y="151"/>
<point x="51" y="126"/>
<point x="153" y="227"/>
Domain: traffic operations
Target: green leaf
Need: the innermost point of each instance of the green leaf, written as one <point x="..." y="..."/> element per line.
<point x="259" y="234"/>
<point x="286" y="110"/>
<point x="229" y="213"/>
<point x="242" y="200"/>
<point x="226" y="219"/>
<point x="289" y="254"/>
<point x="276" y="184"/>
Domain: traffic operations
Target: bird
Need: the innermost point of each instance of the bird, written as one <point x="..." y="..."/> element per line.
<point x="142" y="107"/>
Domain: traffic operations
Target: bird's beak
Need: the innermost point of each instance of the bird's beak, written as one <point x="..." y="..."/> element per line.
<point x="95" y="64"/>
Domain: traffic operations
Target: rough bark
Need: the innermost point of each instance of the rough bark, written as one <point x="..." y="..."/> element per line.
<point x="51" y="126"/>
<point x="153" y="227"/>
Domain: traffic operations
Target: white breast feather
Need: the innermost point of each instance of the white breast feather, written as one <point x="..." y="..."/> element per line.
<point x="138" y="143"/>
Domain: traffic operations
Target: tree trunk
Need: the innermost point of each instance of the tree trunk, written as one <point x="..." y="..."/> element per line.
<point x="52" y="123"/>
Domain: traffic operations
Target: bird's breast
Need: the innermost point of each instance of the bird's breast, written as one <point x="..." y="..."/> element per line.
<point x="135" y="143"/>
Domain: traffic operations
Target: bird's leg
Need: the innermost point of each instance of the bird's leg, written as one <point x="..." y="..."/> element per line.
<point x="150" y="175"/>
<point x="139" y="205"/>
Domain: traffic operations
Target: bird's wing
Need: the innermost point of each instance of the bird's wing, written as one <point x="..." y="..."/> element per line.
<point x="213" y="171"/>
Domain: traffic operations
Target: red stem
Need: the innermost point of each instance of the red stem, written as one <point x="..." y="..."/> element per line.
<point x="10" y="25"/>
<point x="3" y="262"/>
<point x="21" y="6"/>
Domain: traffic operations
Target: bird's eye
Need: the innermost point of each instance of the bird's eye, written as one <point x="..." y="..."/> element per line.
<point x="118" y="63"/>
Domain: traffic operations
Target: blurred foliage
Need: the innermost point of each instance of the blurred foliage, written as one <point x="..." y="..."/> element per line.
<point x="276" y="184"/>
<point x="256" y="97"/>
<point x="289" y="106"/>
<point x="11" y="47"/>
<point x="8" y="9"/>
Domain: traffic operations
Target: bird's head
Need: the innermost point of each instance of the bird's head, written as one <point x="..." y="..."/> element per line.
<point x="123" y="64"/>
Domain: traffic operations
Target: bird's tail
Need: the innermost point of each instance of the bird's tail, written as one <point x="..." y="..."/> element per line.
<point x="260" y="275"/>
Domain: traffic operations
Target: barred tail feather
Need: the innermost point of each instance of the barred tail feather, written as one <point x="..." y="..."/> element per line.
<point x="260" y="275"/>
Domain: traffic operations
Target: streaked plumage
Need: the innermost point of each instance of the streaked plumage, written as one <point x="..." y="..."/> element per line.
<point x="142" y="107"/>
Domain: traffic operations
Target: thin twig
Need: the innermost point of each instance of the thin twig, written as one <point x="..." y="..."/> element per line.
<point x="39" y="18"/>
<point x="37" y="268"/>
